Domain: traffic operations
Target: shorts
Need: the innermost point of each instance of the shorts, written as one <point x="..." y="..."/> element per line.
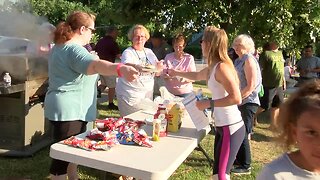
<point x="63" y="130"/>
<point x="272" y="97"/>
<point x="109" y="81"/>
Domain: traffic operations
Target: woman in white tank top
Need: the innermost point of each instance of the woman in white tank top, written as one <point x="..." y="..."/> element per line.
<point x="223" y="83"/>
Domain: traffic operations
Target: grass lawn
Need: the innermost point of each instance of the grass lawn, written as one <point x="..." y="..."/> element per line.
<point x="194" y="167"/>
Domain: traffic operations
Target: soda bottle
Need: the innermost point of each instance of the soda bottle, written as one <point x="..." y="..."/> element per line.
<point x="7" y="80"/>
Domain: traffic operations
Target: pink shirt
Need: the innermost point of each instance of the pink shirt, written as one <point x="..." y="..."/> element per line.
<point x="187" y="64"/>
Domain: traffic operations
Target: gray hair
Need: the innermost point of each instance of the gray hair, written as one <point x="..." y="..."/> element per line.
<point x="246" y="41"/>
<point x="138" y="26"/>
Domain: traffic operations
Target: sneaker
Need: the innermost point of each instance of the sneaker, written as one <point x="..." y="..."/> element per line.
<point x="236" y="164"/>
<point x="240" y="170"/>
<point x="112" y="106"/>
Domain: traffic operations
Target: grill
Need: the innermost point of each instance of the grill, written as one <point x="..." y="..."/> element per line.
<point x="23" y="128"/>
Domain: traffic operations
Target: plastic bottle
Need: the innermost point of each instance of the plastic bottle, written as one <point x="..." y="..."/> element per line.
<point x="156" y="130"/>
<point x="7" y="79"/>
<point x="199" y="97"/>
<point x="161" y="115"/>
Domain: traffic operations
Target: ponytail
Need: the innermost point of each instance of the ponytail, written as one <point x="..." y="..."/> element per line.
<point x="63" y="33"/>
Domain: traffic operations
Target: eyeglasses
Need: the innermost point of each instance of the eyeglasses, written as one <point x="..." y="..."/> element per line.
<point x="91" y="29"/>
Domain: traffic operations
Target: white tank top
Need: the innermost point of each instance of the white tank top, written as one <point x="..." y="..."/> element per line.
<point x="223" y="116"/>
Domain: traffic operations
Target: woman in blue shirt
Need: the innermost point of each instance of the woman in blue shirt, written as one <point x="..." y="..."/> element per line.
<point x="73" y="72"/>
<point x="250" y="83"/>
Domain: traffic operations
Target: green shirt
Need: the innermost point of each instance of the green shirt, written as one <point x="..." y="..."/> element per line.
<point x="71" y="94"/>
<point x="272" y="66"/>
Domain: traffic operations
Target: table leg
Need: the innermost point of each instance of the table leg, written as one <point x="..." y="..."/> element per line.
<point x="210" y="160"/>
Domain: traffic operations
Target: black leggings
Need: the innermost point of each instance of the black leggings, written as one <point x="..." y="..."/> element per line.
<point x="63" y="130"/>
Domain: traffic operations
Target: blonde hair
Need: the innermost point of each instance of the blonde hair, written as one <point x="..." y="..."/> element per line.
<point x="138" y="26"/>
<point x="246" y="41"/>
<point x="306" y="99"/>
<point x="217" y="46"/>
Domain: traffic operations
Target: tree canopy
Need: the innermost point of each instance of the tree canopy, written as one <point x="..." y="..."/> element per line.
<point x="291" y="23"/>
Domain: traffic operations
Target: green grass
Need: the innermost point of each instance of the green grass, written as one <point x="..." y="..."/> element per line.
<point x="195" y="166"/>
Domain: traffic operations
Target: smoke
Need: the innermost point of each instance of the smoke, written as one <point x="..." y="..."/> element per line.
<point x="16" y="24"/>
<point x="16" y="20"/>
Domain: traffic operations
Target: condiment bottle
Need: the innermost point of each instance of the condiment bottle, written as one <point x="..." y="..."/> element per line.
<point x="156" y="130"/>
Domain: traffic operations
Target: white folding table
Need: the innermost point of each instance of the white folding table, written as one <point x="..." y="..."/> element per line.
<point x="158" y="162"/>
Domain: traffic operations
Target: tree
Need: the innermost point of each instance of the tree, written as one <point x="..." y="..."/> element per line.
<point x="56" y="10"/>
<point x="289" y="22"/>
<point x="292" y="23"/>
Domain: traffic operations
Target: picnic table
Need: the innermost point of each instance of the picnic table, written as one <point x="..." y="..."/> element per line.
<point x="158" y="162"/>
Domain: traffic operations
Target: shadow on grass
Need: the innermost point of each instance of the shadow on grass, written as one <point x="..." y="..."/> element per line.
<point x="103" y="107"/>
<point x="196" y="162"/>
<point x="264" y="117"/>
<point x="30" y="167"/>
<point x="91" y="173"/>
<point x="261" y="138"/>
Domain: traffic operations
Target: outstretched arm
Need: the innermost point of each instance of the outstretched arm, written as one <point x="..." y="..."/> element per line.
<point x="107" y="68"/>
<point x="196" y="76"/>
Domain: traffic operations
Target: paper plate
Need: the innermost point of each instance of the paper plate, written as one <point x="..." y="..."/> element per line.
<point x="155" y="70"/>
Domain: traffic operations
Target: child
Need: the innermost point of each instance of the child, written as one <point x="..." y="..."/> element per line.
<point x="299" y="130"/>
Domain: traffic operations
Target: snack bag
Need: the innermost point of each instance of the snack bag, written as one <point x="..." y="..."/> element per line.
<point x="101" y="145"/>
<point x="126" y="138"/>
<point x="85" y="144"/>
<point x="142" y="139"/>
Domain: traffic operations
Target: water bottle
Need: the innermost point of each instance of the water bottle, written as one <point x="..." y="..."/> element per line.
<point x="199" y="96"/>
<point x="7" y="80"/>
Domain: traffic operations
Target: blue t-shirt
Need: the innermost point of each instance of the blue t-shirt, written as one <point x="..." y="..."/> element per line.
<point x="308" y="63"/>
<point x="71" y="94"/>
<point x="239" y="66"/>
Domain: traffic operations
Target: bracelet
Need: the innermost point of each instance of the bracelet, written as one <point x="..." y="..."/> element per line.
<point x="212" y="105"/>
<point x="118" y="69"/>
